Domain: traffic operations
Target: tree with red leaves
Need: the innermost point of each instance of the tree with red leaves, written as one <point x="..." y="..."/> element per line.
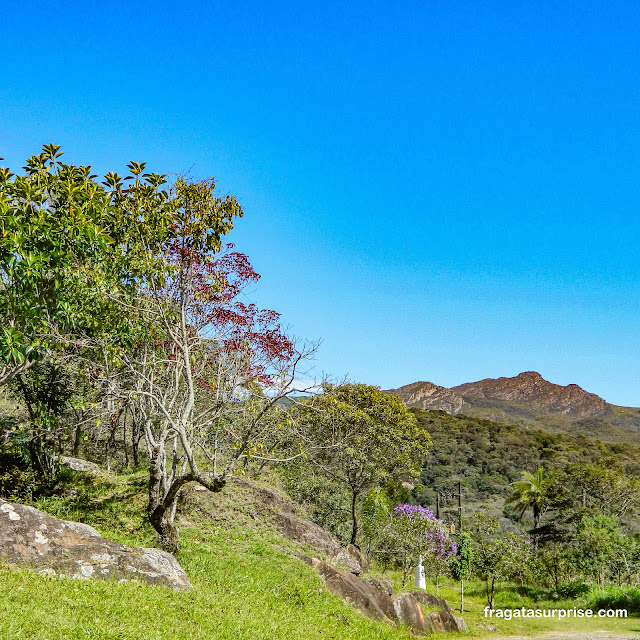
<point x="210" y="370"/>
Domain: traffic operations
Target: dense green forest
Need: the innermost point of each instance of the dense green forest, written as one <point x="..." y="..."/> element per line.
<point x="487" y="457"/>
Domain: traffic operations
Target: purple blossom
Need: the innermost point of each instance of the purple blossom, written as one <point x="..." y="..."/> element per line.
<point x="414" y="510"/>
<point x="438" y="542"/>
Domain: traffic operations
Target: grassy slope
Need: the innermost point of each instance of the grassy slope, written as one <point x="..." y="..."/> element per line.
<point x="246" y="583"/>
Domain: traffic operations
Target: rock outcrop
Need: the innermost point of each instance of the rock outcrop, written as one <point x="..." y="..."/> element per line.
<point x="33" y="539"/>
<point x="295" y="526"/>
<point x="430" y="600"/>
<point x="370" y="601"/>
<point x="529" y="387"/>
<point x="408" y="611"/>
<point x="374" y="598"/>
<point x="529" y="400"/>
<point x="427" y="395"/>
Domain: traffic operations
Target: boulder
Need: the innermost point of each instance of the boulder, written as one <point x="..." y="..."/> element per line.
<point x="409" y="612"/>
<point x="359" y="556"/>
<point x="430" y="600"/>
<point x="77" y="464"/>
<point x="382" y="584"/>
<point x="434" y="623"/>
<point x="462" y="625"/>
<point x="307" y="532"/>
<point x="444" y="620"/>
<point x="31" y="538"/>
<point x="296" y="526"/>
<point x="370" y="601"/>
<point x="344" y="559"/>
<point x="372" y="597"/>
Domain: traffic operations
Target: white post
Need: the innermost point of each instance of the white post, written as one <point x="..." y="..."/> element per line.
<point x="420" y="580"/>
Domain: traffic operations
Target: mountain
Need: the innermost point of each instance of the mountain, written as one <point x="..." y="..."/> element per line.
<point x="530" y="401"/>
<point x="430" y="396"/>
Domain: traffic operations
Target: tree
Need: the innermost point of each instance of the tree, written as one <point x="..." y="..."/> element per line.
<point x="53" y="222"/>
<point x="461" y="565"/>
<point x="127" y="280"/>
<point x="530" y="493"/>
<point x="376" y="439"/>
<point x="208" y="370"/>
<point x="602" y="487"/>
<point x="413" y="532"/>
<point x="602" y="548"/>
<point x="498" y="555"/>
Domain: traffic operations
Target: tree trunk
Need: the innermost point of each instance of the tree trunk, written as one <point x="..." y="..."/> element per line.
<point x="136" y="436"/>
<point x="461" y="596"/>
<point x="493" y="592"/>
<point x="76" y="441"/>
<point x="354" y="518"/>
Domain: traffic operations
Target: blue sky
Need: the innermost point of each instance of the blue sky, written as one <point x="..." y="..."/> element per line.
<point x="440" y="191"/>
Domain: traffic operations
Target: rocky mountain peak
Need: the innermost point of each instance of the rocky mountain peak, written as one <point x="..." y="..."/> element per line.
<point x="430" y="396"/>
<point x="528" y="389"/>
<point x="529" y="375"/>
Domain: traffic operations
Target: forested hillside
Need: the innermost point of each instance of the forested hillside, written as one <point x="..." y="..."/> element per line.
<point x="486" y="457"/>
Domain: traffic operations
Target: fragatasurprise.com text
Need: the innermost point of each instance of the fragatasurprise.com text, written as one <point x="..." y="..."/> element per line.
<point x="558" y="614"/>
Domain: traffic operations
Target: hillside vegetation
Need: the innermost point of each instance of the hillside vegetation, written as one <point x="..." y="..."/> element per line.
<point x="487" y="457"/>
<point x="248" y="584"/>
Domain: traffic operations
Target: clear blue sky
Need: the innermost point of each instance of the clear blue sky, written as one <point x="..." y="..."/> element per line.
<point x="441" y="191"/>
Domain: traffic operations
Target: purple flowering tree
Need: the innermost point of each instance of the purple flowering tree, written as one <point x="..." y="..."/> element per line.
<point x="414" y="531"/>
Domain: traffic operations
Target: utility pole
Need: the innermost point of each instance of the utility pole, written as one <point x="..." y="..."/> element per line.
<point x="447" y="496"/>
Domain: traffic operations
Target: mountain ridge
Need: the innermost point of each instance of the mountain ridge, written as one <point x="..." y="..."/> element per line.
<point x="529" y="400"/>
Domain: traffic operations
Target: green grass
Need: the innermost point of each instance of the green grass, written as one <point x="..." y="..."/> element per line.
<point x="247" y="583"/>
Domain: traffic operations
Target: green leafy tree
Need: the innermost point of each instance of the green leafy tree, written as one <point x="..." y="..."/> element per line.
<point x="375" y="513"/>
<point x="374" y="439"/>
<point x="530" y="493"/>
<point x="602" y="547"/>
<point x="461" y="565"/>
<point x="498" y="555"/>
<point x="51" y="225"/>
<point x="601" y="487"/>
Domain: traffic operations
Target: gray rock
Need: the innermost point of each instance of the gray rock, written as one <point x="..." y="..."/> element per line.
<point x="307" y="532"/>
<point x="462" y="625"/>
<point x="382" y="584"/>
<point x="31" y="538"/>
<point x="363" y="596"/>
<point x="359" y="556"/>
<point x="344" y="559"/>
<point x="409" y="612"/>
<point x="77" y="464"/>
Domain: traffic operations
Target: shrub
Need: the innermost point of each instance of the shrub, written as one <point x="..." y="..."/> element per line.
<point x="573" y="590"/>
<point x="615" y="598"/>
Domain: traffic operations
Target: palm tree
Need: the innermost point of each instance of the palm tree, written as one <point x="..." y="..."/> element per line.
<point x="530" y="493"/>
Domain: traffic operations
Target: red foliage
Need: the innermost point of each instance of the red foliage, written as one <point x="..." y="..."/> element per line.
<point x="209" y="286"/>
